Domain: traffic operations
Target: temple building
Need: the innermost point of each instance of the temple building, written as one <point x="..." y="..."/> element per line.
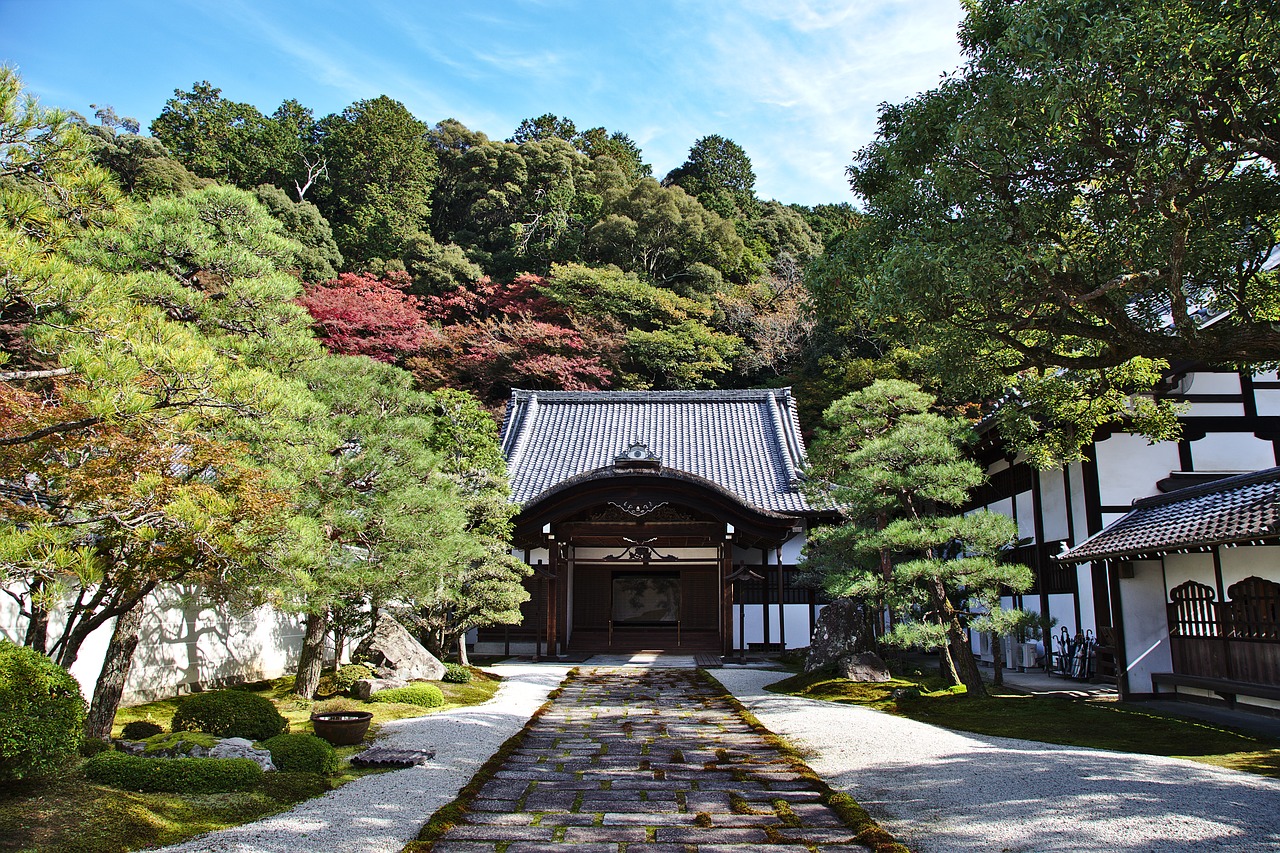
<point x="657" y="520"/>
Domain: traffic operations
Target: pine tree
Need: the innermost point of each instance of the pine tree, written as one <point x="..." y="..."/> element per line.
<point x="893" y="468"/>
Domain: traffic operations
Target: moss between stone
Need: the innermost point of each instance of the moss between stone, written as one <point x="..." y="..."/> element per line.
<point x="179" y="741"/>
<point x="868" y="833"/>
<point x="455" y="812"/>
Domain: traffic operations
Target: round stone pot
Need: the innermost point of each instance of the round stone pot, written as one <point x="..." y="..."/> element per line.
<point x="342" y="728"/>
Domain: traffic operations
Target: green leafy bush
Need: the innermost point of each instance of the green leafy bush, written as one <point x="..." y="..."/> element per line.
<point x="176" y="775"/>
<point x="302" y="754"/>
<point x="456" y="674"/>
<point x="41" y="713"/>
<point x="140" y="730"/>
<point x="229" y="713"/>
<point x="423" y="695"/>
<point x="341" y="682"/>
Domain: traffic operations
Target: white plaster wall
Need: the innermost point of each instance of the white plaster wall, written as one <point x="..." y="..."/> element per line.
<point x="1232" y="451"/>
<point x="1026" y="515"/>
<point x="1146" y="625"/>
<point x="1180" y="568"/>
<point x="1268" y="401"/>
<point x="1203" y="382"/>
<point x="1215" y="410"/>
<point x="1250" y="560"/>
<point x="1084" y="583"/>
<point x="797" y="616"/>
<point x="1129" y="467"/>
<point x="184" y="642"/>
<point x="1079" y="514"/>
<point x="1053" y="503"/>
<point x="1003" y="507"/>
<point x="792" y="549"/>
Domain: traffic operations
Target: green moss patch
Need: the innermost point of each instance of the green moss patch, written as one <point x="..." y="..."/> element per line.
<point x="1093" y="723"/>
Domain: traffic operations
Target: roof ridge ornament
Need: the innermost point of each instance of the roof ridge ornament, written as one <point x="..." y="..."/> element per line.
<point x="637" y="455"/>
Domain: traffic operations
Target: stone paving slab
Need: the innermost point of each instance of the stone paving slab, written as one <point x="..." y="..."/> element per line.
<point x="630" y="759"/>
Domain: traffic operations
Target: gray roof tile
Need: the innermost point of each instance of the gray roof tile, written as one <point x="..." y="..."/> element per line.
<point x="745" y="441"/>
<point x="1237" y="509"/>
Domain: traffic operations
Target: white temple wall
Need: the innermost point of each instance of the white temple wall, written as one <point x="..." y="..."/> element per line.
<point x="183" y="642"/>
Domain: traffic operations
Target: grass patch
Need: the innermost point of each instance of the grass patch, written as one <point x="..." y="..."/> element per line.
<point x="1097" y="723"/>
<point x="67" y="814"/>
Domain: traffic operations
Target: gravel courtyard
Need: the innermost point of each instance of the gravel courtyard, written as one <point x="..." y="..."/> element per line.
<point x="943" y="792"/>
<point x="381" y="813"/>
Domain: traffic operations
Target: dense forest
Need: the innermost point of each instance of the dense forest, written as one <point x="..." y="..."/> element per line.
<point x="553" y="259"/>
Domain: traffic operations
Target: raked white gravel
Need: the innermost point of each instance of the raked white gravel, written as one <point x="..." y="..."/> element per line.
<point x="380" y="813"/>
<point x="945" y="792"/>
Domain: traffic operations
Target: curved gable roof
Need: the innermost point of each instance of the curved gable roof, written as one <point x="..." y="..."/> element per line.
<point x="746" y="442"/>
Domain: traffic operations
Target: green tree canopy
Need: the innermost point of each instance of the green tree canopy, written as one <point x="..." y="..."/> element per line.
<point x="1094" y="187"/>
<point x="381" y="171"/>
<point x="719" y="174"/>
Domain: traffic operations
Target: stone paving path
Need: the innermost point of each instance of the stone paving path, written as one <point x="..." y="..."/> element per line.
<point x="633" y="760"/>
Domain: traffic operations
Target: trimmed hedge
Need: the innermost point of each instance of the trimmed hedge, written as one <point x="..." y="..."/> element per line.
<point x="423" y="695"/>
<point x="455" y="673"/>
<point x="293" y="787"/>
<point x="173" y="775"/>
<point x="229" y="713"/>
<point x="302" y="754"/>
<point x="41" y="713"/>
<point x="140" y="730"/>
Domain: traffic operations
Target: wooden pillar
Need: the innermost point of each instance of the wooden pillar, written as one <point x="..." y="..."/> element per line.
<point x="782" y="603"/>
<point x="764" y="592"/>
<point x="552" y="594"/>
<point x="726" y="598"/>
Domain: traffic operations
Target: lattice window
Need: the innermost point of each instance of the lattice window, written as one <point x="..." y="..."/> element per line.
<point x="1253" y="611"/>
<point x="1193" y="611"/>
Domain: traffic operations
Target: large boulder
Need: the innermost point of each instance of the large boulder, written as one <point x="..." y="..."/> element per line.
<point x="392" y="652"/>
<point x="865" y="667"/>
<point x="238" y="747"/>
<point x="843" y="630"/>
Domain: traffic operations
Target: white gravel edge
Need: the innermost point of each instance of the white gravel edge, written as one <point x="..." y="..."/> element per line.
<point x="941" y="791"/>
<point x="381" y="813"/>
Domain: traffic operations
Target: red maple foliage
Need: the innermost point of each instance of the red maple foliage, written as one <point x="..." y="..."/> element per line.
<point x="360" y="314"/>
<point x="495" y="336"/>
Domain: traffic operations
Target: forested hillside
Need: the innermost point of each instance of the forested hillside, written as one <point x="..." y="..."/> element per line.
<point x="551" y="259"/>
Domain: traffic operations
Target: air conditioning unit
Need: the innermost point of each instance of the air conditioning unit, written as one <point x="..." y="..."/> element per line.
<point x="1028" y="655"/>
<point x="1011" y="655"/>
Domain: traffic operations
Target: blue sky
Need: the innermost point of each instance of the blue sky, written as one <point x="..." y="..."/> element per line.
<point x="794" y="82"/>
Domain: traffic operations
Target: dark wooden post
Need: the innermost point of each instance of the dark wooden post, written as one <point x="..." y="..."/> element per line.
<point x="726" y="597"/>
<point x="782" y="603"/>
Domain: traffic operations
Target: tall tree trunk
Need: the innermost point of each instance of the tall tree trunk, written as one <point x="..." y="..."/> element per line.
<point x="462" y="649"/>
<point x="997" y="652"/>
<point x="339" y="639"/>
<point x="311" y="658"/>
<point x="115" y="671"/>
<point x="37" y="636"/>
<point x="966" y="664"/>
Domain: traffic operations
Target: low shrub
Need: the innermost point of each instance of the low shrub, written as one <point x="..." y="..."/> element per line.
<point x="330" y="706"/>
<point x="423" y="695"/>
<point x="455" y="673"/>
<point x="41" y="713"/>
<point x="174" y="775"/>
<point x="290" y="787"/>
<point x="91" y="746"/>
<point x="229" y="713"/>
<point x="348" y="675"/>
<point x="302" y="754"/>
<point x="140" y="730"/>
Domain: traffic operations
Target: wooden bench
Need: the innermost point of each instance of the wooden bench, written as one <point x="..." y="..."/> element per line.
<point x="1224" y="687"/>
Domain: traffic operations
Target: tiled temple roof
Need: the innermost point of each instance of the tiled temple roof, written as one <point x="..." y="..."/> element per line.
<point x="747" y="442"/>
<point x="1235" y="510"/>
